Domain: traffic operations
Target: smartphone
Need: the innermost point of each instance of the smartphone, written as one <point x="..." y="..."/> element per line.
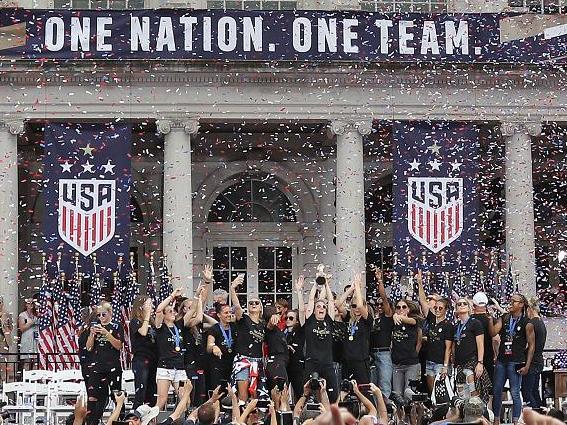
<point x="519" y="366"/>
<point x="364" y="387"/>
<point x="284" y="418"/>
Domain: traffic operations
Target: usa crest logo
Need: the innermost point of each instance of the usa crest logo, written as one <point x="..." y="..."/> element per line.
<point x="435" y="210"/>
<point x="86" y="213"/>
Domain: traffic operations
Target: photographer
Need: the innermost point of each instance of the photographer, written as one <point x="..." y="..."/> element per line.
<point x="318" y="319"/>
<point x="314" y="398"/>
<point x="104" y="342"/>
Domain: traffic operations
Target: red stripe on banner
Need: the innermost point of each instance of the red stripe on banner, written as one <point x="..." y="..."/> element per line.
<point x="435" y="229"/>
<point x="428" y="229"/>
<point x="457" y="217"/>
<point x="413" y="226"/>
<point x="87" y="232"/>
<point x="93" y="230"/>
<point x="101" y="226"/>
<point x="450" y="225"/>
<point x="108" y="221"/>
<point x="443" y="229"/>
<point x="64" y="220"/>
<point x="421" y="222"/>
<point x="79" y="228"/>
<point x="71" y="225"/>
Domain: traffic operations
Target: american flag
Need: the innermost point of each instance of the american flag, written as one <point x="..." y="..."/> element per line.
<point x="151" y="286"/>
<point x="65" y="326"/>
<point x="165" y="288"/>
<point x="492" y="275"/>
<point x="46" y="342"/>
<point x="125" y="291"/>
<point x="508" y="289"/>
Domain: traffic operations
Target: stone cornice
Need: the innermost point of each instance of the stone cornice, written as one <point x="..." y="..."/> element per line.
<point x="190" y="126"/>
<point x="15" y="127"/>
<point x="340" y="127"/>
<point x="509" y="128"/>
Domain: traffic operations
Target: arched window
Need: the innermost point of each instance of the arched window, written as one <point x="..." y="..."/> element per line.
<point x="252" y="200"/>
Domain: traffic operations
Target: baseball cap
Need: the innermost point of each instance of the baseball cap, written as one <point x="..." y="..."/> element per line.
<point x="133" y="414"/>
<point x="480" y="299"/>
<point x="144" y="412"/>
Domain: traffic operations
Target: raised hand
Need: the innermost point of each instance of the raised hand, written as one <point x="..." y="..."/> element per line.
<point x="299" y="283"/>
<point x="238" y="280"/>
<point x="208" y="273"/>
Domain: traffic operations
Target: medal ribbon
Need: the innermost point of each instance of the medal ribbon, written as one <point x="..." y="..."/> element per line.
<point x="176" y="336"/>
<point x="353" y="328"/>
<point x="460" y="329"/>
<point x="512" y="326"/>
<point x="227" y="335"/>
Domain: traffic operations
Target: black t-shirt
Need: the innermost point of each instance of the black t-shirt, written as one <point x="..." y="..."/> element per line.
<point x="194" y="347"/>
<point x="404" y="344"/>
<point x="540" y="337"/>
<point x="357" y="345"/>
<point x="168" y="355"/>
<point x="84" y="354"/>
<point x="488" y="349"/>
<point x="223" y="344"/>
<point x="465" y="346"/>
<point x="319" y="339"/>
<point x="513" y="339"/>
<point x="103" y="354"/>
<point x="381" y="333"/>
<point x="296" y="340"/>
<point x="143" y="346"/>
<point x="250" y="337"/>
<point x="277" y="343"/>
<point x="437" y="334"/>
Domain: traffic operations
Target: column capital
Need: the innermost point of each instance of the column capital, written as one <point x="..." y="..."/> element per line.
<point x="190" y="126"/>
<point x="509" y="128"/>
<point x="15" y="127"/>
<point x="340" y="127"/>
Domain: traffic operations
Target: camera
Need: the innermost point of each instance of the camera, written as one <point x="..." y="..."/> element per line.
<point x="414" y="383"/>
<point x="347" y="386"/>
<point x="314" y="382"/>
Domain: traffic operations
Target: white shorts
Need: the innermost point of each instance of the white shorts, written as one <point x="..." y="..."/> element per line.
<point x="173" y="375"/>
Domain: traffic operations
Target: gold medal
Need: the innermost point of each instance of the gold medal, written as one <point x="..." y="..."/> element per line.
<point x="177" y="349"/>
<point x="351" y="338"/>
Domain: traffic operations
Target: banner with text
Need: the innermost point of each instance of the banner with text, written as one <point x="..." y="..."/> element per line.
<point x="280" y="35"/>
<point x="86" y="191"/>
<point x="435" y="198"/>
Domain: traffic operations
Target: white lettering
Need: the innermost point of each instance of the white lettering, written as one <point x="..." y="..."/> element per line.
<point x="207" y="34"/>
<point x="429" y="38"/>
<point x="226" y="29"/>
<point x="188" y="24"/>
<point x="54" y="34"/>
<point x="165" y="35"/>
<point x="404" y="37"/>
<point x="327" y="35"/>
<point x="80" y="34"/>
<point x="383" y="25"/>
<point x="457" y="38"/>
<point x="302" y="34"/>
<point x="102" y="33"/>
<point x="349" y="35"/>
<point x="140" y="34"/>
<point x="252" y="34"/>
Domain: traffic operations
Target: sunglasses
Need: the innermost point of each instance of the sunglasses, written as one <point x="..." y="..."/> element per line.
<point x="461" y="303"/>
<point x="253" y="302"/>
<point x="438" y="308"/>
<point x="401" y="307"/>
<point x="353" y="306"/>
<point x="517" y="301"/>
<point x="101" y="314"/>
<point x="290" y="317"/>
<point x="322" y="306"/>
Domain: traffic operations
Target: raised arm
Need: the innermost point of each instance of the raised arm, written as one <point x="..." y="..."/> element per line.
<point x="194" y="315"/>
<point x="311" y="301"/>
<point x="159" y="310"/>
<point x="421" y="294"/>
<point x="235" y="301"/>
<point x="300" y="303"/>
<point x="341" y="299"/>
<point x="331" y="299"/>
<point x="494" y="326"/>
<point x="480" y="356"/>
<point x="530" y="333"/>
<point x="358" y="297"/>
<point x="388" y="312"/>
<point x="207" y="282"/>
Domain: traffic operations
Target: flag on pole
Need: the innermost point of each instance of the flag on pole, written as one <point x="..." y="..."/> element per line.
<point x="46" y="336"/>
<point x="65" y="329"/>
<point x="508" y="289"/>
<point x="165" y="287"/>
<point x="151" y="285"/>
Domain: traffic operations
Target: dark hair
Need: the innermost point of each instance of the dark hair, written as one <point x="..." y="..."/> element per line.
<point x="138" y="306"/>
<point x="206" y="414"/>
<point x="269" y="311"/>
<point x="445" y="302"/>
<point x="219" y="306"/>
<point x="282" y="302"/>
<point x="179" y="304"/>
<point x="296" y="312"/>
<point x="413" y="310"/>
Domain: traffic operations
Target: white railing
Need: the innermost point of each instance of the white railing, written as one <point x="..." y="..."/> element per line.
<point x="418" y="6"/>
<point x="541" y="6"/>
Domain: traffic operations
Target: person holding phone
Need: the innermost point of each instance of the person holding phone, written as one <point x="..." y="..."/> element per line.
<point x="515" y="354"/>
<point x="250" y="329"/>
<point x="105" y="342"/>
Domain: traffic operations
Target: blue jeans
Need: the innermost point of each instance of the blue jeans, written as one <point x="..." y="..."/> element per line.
<point x="504" y="371"/>
<point x="530" y="386"/>
<point x="144" y="381"/>
<point x="383" y="370"/>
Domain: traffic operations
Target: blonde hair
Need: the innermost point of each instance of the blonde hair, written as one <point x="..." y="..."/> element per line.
<point x="533" y="303"/>
<point x="105" y="305"/>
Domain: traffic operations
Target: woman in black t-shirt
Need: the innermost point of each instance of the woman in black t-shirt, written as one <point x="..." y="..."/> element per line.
<point x="220" y="343"/>
<point x="406" y="343"/>
<point x="439" y="343"/>
<point x="250" y="329"/>
<point x="144" y="351"/>
<point x="295" y="336"/>
<point x="104" y="342"/>
<point x="278" y="353"/>
<point x="171" y="345"/>
<point x="530" y="382"/>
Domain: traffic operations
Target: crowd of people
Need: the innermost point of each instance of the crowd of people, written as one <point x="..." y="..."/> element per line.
<point x="372" y="362"/>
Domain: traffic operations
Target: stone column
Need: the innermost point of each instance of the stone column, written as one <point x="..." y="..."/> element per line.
<point x="520" y="235"/>
<point x="350" y="224"/>
<point x="9" y="132"/>
<point x="177" y="201"/>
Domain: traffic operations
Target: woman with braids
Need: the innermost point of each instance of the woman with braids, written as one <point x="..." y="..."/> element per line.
<point x="406" y="343"/>
<point x="248" y="348"/>
<point x="515" y="354"/>
<point x="468" y="350"/>
<point x="144" y="351"/>
<point x="221" y="344"/>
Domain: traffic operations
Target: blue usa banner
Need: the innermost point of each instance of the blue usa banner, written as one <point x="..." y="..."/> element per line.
<point x="435" y="199"/>
<point x="86" y="191"/>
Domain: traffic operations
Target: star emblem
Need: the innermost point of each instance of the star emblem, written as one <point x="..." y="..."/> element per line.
<point x="435" y="165"/>
<point x="434" y="148"/>
<point x="456" y="166"/>
<point x="108" y="167"/>
<point x="414" y="165"/>
<point x="88" y="167"/>
<point x="88" y="150"/>
<point x="66" y="167"/>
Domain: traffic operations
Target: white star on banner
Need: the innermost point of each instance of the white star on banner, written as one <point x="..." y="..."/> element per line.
<point x="66" y="167"/>
<point x="434" y="148"/>
<point x="435" y="165"/>
<point x="414" y="165"/>
<point x="88" y="150"/>
<point x="456" y="166"/>
<point x="108" y="167"/>
<point x="88" y="167"/>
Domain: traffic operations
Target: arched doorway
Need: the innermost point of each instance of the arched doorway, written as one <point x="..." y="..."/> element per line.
<point x="252" y="228"/>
